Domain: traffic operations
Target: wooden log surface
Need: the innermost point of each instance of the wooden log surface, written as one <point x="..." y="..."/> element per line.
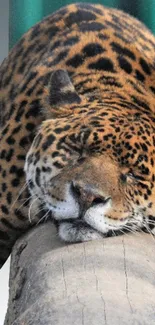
<point x="105" y="282"/>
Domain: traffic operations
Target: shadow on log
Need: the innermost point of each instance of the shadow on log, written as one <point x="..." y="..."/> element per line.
<point x="107" y="282"/>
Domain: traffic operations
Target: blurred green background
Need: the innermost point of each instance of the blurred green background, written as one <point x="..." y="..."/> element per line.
<point x="25" y="13"/>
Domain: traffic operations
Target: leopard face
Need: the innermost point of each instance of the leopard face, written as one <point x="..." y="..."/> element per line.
<point x="77" y="109"/>
<point x="93" y="170"/>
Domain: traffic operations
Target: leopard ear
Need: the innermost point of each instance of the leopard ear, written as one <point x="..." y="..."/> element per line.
<point x="61" y="89"/>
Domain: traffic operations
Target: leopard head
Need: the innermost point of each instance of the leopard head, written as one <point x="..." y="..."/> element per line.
<point x="91" y="165"/>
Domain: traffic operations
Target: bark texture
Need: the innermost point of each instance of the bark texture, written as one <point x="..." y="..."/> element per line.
<point x="107" y="282"/>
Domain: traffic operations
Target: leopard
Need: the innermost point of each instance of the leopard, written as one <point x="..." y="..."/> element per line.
<point x="77" y="124"/>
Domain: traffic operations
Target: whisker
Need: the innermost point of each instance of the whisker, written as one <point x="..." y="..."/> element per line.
<point x="113" y="233"/>
<point x="29" y="212"/>
<point x="25" y="200"/>
<point x="130" y="230"/>
<point x="146" y="225"/>
<point x="124" y="233"/>
<point x="39" y="211"/>
<point x="20" y="192"/>
<point x="151" y="223"/>
<point x="149" y="230"/>
<point x="44" y="217"/>
<point x="131" y="226"/>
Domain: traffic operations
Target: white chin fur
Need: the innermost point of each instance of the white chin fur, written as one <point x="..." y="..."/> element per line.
<point x="69" y="232"/>
<point x="66" y="209"/>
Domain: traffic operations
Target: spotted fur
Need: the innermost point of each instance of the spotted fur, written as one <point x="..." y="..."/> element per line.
<point x="78" y="105"/>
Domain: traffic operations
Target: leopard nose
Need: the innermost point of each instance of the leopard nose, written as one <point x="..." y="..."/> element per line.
<point x="86" y="196"/>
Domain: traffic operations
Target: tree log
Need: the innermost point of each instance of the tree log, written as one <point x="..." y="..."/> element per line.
<point x="105" y="282"/>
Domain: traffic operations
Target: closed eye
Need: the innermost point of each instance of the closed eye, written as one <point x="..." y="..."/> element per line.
<point x="131" y="175"/>
<point x="136" y="176"/>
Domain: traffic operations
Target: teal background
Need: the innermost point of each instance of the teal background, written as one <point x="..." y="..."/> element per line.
<point x="25" y="13"/>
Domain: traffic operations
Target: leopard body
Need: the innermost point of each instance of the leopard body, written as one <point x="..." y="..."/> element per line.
<point x="77" y="99"/>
